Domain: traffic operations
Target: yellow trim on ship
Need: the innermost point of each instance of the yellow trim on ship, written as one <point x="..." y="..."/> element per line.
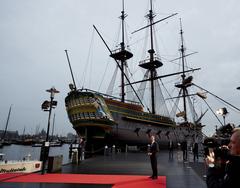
<point x="143" y="115"/>
<point x="147" y="121"/>
<point x="105" y="127"/>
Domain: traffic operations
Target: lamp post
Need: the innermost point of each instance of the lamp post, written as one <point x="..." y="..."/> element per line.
<point x="47" y="106"/>
<point x="223" y="112"/>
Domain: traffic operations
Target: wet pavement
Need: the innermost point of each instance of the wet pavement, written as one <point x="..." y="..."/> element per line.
<point x="179" y="174"/>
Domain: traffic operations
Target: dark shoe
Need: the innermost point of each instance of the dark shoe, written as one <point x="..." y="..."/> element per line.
<point x="150" y="177"/>
<point x="154" y="177"/>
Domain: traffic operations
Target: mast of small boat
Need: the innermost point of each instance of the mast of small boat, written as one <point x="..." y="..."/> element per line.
<point x="6" y="126"/>
<point x="23" y="134"/>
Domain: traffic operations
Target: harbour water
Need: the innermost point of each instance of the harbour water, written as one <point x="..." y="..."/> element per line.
<point x="18" y="152"/>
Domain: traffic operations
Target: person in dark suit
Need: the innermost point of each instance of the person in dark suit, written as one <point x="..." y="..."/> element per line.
<point x="153" y="157"/>
<point x="195" y="151"/>
<point x="81" y="149"/>
<point x="184" y="150"/>
<point x="170" y="149"/>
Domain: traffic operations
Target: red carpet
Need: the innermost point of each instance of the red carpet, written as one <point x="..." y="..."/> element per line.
<point x="118" y="181"/>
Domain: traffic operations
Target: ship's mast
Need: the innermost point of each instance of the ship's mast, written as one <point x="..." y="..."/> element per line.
<point x="123" y="16"/>
<point x="122" y="55"/>
<point x="184" y="88"/>
<point x="186" y="82"/>
<point x="152" y="63"/>
<point x="151" y="52"/>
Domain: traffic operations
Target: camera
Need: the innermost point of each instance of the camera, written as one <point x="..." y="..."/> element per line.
<point x="218" y="144"/>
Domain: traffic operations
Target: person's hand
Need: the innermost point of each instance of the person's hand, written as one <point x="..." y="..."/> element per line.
<point x="149" y="153"/>
<point x="210" y="159"/>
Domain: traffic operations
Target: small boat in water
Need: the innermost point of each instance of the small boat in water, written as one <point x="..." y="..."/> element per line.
<point x="51" y="144"/>
<point x="19" y="166"/>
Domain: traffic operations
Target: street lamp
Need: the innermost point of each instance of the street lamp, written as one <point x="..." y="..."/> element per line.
<point x="223" y="112"/>
<point x="47" y="106"/>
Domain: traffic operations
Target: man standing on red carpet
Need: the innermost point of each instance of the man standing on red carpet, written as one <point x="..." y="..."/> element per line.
<point x="153" y="157"/>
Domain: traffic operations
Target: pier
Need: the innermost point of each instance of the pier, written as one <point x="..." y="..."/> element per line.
<point x="118" y="170"/>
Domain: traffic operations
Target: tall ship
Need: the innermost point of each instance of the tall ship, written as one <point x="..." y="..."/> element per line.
<point x="103" y="119"/>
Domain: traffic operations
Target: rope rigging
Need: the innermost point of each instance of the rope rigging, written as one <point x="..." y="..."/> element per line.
<point x="88" y="60"/>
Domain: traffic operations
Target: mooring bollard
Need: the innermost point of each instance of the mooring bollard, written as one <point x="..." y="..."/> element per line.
<point x="113" y="149"/>
<point x="105" y="150"/>
<point x="75" y="156"/>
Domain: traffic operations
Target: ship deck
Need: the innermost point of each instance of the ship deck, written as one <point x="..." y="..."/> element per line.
<point x="119" y="170"/>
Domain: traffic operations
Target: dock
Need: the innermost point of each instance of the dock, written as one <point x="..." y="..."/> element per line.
<point x="117" y="170"/>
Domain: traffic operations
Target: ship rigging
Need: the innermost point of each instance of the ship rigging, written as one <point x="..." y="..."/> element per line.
<point x="104" y="119"/>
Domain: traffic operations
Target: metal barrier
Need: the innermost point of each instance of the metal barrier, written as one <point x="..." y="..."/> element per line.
<point x="55" y="163"/>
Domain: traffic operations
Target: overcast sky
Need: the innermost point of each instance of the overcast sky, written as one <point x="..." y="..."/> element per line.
<point x="34" y="35"/>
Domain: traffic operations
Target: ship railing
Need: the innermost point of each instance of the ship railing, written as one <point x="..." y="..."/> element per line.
<point x="86" y="115"/>
<point x="17" y="161"/>
<point x="148" y="60"/>
<point x="108" y="96"/>
<point x="117" y="50"/>
<point x="149" y="116"/>
<point x="95" y="151"/>
<point x="144" y="115"/>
